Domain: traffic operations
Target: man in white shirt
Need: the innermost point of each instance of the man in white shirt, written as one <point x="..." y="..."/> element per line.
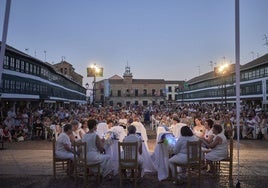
<point x="133" y="137"/>
<point x="251" y="126"/>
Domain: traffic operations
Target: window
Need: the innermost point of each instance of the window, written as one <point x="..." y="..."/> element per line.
<point x="136" y="92"/>
<point x="161" y="93"/>
<point x="266" y="70"/>
<point x="22" y="86"/>
<point x="30" y="68"/>
<point x="17" y="85"/>
<point x="169" y="89"/>
<point x="258" y="88"/>
<point x="176" y="97"/>
<point x="12" y="84"/>
<point x="26" y="67"/>
<point x="22" y="66"/>
<point x="145" y="92"/>
<point x="127" y="93"/>
<point x="262" y="72"/>
<point x="169" y="97"/>
<point x="246" y="75"/>
<point x="17" y="64"/>
<point x="6" y="84"/>
<point x="34" y="69"/>
<point x="153" y="92"/>
<point x="6" y="62"/>
<point x="119" y="93"/>
<point x="12" y="64"/>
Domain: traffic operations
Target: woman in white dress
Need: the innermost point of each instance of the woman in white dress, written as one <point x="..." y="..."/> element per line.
<point x="219" y="148"/>
<point x="95" y="150"/>
<point x="64" y="148"/>
<point x="180" y="149"/>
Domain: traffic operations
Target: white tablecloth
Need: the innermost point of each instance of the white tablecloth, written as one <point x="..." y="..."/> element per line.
<point x="112" y="150"/>
<point x="160" y="159"/>
<point x="159" y="131"/>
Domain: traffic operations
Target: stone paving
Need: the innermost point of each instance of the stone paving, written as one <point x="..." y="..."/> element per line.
<point x="29" y="164"/>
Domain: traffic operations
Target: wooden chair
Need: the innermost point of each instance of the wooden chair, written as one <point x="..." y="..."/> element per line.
<point x="193" y="161"/>
<point x="60" y="166"/>
<point x="128" y="160"/>
<point x="226" y="165"/>
<point x="80" y="163"/>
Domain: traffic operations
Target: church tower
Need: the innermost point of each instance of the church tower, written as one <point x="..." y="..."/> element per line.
<point x="127" y="75"/>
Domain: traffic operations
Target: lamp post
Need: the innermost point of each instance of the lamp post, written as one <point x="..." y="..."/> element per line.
<point x="94" y="71"/>
<point x="222" y="71"/>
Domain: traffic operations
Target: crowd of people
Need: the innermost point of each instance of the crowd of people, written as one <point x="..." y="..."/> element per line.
<point x="212" y="124"/>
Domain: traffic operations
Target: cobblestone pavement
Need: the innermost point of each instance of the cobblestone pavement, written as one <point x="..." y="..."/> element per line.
<point x="29" y="164"/>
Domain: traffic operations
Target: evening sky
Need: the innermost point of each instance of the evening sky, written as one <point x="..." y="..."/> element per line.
<point x="158" y="39"/>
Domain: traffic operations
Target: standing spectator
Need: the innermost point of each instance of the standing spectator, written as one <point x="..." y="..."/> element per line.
<point x="251" y="127"/>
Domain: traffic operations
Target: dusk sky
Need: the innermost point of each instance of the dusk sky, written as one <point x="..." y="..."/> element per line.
<point x="158" y="39"/>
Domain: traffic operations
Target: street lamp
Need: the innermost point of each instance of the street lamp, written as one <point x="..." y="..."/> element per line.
<point x="94" y="71"/>
<point x="223" y="71"/>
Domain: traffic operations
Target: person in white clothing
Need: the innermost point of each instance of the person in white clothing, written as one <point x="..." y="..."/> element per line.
<point x="180" y="149"/>
<point x="133" y="137"/>
<point x="140" y="129"/>
<point x="219" y="147"/>
<point x="118" y="130"/>
<point x="176" y="126"/>
<point x="76" y="130"/>
<point x="63" y="149"/>
<point x="102" y="128"/>
<point x="251" y="126"/>
<point x="209" y="135"/>
<point x="95" y="150"/>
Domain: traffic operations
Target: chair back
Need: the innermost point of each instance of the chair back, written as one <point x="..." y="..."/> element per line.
<point x="231" y="151"/>
<point x="231" y="147"/>
<point x="194" y="151"/>
<point x="128" y="153"/>
<point x="80" y="156"/>
<point x="54" y="149"/>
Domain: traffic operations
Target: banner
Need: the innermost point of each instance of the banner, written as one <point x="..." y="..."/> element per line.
<point x="94" y="72"/>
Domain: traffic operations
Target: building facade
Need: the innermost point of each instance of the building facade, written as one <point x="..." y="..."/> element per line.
<point x="172" y="89"/>
<point x="29" y="82"/>
<point x="67" y="70"/>
<point x="126" y="90"/>
<point x="217" y="88"/>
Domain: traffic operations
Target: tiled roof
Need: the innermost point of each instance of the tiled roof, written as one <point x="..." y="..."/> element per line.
<point x="115" y="77"/>
<point x="255" y="63"/>
<point x="173" y="81"/>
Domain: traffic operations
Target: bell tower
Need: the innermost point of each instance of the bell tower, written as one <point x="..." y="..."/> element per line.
<point x="127" y="75"/>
